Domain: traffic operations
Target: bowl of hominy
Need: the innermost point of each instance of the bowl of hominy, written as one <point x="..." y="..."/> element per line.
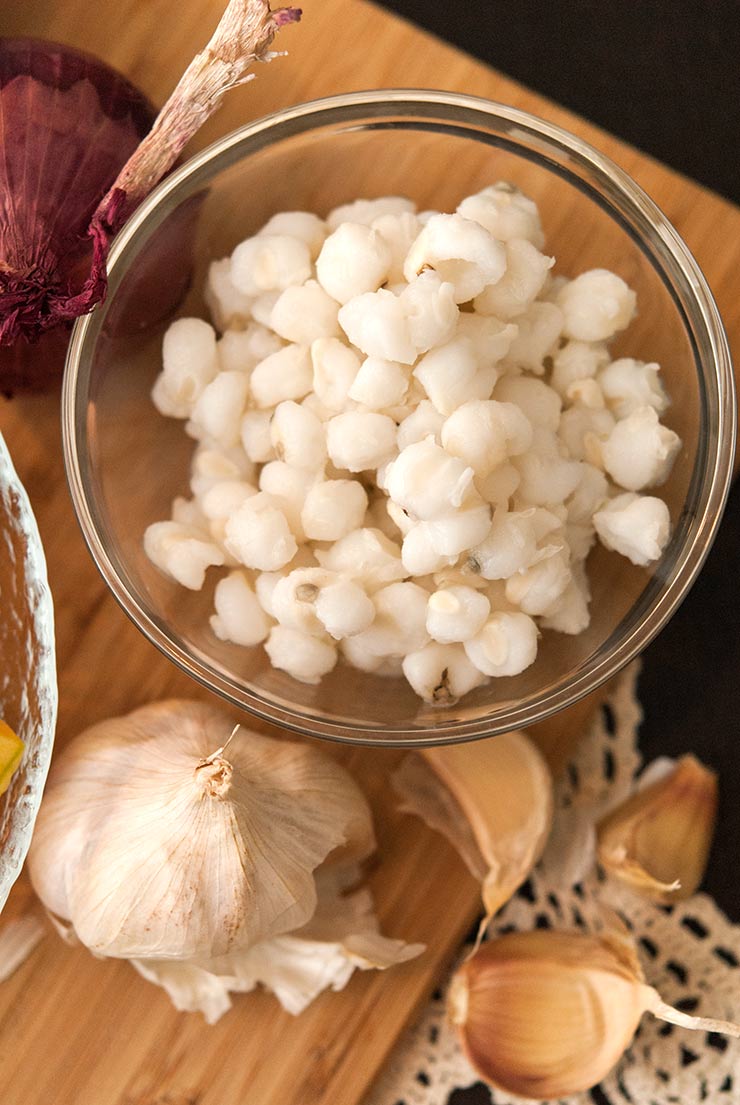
<point x="438" y="440"/>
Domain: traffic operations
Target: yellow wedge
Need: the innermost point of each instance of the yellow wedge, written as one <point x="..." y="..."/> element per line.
<point x="11" y="753"/>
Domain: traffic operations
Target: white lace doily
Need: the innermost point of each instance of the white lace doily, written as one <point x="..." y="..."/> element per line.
<point x="690" y="952"/>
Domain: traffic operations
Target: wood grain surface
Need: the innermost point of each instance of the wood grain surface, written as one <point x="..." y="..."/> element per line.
<point x="76" y="1031"/>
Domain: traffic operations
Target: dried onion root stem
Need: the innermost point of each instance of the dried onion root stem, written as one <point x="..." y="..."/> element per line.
<point x="244" y="35"/>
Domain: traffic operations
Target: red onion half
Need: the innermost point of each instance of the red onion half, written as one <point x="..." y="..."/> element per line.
<point x="73" y="167"/>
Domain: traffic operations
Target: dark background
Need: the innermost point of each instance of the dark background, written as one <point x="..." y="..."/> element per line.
<point x="664" y="76"/>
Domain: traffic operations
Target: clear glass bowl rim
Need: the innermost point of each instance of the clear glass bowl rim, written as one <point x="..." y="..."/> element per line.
<point x="626" y="194"/>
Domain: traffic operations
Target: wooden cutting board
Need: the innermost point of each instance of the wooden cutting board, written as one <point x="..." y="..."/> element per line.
<point x="76" y="1031"/>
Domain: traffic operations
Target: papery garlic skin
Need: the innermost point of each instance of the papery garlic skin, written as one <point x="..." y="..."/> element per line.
<point x="145" y="844"/>
<point x="412" y="394"/>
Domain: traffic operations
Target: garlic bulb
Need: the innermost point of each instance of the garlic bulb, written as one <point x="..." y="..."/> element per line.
<point x="547" y="1014"/>
<point x="153" y="843"/>
<point x="658" y="841"/>
<point x="492" y="799"/>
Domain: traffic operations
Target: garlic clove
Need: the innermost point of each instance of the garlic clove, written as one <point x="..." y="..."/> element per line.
<point x="492" y="799"/>
<point x="547" y="1014"/>
<point x="658" y="841"/>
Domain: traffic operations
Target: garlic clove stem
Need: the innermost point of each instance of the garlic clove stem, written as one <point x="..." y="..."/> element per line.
<point x="658" y="841"/>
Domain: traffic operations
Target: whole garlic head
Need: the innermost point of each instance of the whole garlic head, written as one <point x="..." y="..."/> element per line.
<point x="155" y="841"/>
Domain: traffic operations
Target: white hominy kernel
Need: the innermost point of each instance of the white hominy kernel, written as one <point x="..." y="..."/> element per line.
<point x="220" y="406"/>
<point x="241" y="350"/>
<point x="298" y="436"/>
<point x="461" y="251"/>
<point x="304" y="657"/>
<point x="441" y="674"/>
<point x="189" y="364"/>
<point x="581" y="428"/>
<point x="288" y="487"/>
<point x="506" y="645"/>
<point x="380" y="384"/>
<point x="546" y="522"/>
<point x="344" y="609"/>
<point x="298" y="224"/>
<point x="505" y="212"/>
<point x="239" y="617"/>
<point x="637" y="526"/>
<point x="400" y="620"/>
<point x="449" y="375"/>
<point x="333" y="508"/>
<point x="587" y="393"/>
<point x="210" y="466"/>
<point x="453" y="533"/>
<point x="375" y="322"/>
<point x="356" y="653"/>
<point x="187" y="512"/>
<point x="456" y="614"/>
<point x="546" y="478"/>
<point x="367" y="555"/>
<point x="228" y="306"/>
<point x="511" y="545"/>
<point x="270" y="262"/>
<point x="577" y="360"/>
<point x="181" y="552"/>
<point x="305" y="313"/>
<point x="425" y="421"/>
<point x="258" y="535"/>
<point x="499" y="486"/>
<point x="540" y="404"/>
<point x="596" y="305"/>
<point x="570" y="613"/>
<point x="367" y="211"/>
<point x="400" y="232"/>
<point x="539" y="329"/>
<point x="431" y="310"/>
<point x="491" y="338"/>
<point x="639" y="452"/>
<point x="427" y="481"/>
<point x="286" y="374"/>
<point x="537" y="589"/>
<point x="353" y="259"/>
<point x="313" y="404"/>
<point x="293" y="599"/>
<point x="483" y="433"/>
<point x="220" y="502"/>
<point x="335" y="367"/>
<point x="589" y="496"/>
<point x="359" y="440"/>
<point x="580" y="538"/>
<point x="418" y="553"/>
<point x="514" y="293"/>
<point x="628" y="384"/>
<point x="263" y="306"/>
<point x="256" y="436"/>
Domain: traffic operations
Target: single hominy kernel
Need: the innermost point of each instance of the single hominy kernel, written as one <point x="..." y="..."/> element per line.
<point x="639" y="452"/>
<point x="303" y="314"/>
<point x="380" y="384"/>
<point x="297" y="436"/>
<point x="239" y="618"/>
<point x="332" y="509"/>
<point x="270" y="262"/>
<point x="257" y="534"/>
<point x="220" y="406"/>
<point x="441" y="674"/>
<point x="344" y="609"/>
<point x="228" y="306"/>
<point x="189" y="364"/>
<point x="353" y="259"/>
<point x="516" y="291"/>
<point x="628" y="384"/>
<point x="181" y="552"/>
<point x="359" y="440"/>
<point x="461" y="252"/>
<point x="506" y="645"/>
<point x="596" y="305"/>
<point x="304" y="657"/>
<point x="637" y="526"/>
<point x="287" y="374"/>
<point x="456" y="614"/>
<point x="505" y="212"/>
<point x="376" y="323"/>
<point x="298" y="224"/>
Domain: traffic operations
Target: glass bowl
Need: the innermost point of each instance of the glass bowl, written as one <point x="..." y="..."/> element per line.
<point x="126" y="463"/>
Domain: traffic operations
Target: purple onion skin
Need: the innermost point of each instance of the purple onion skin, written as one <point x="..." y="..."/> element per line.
<point x="68" y="124"/>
